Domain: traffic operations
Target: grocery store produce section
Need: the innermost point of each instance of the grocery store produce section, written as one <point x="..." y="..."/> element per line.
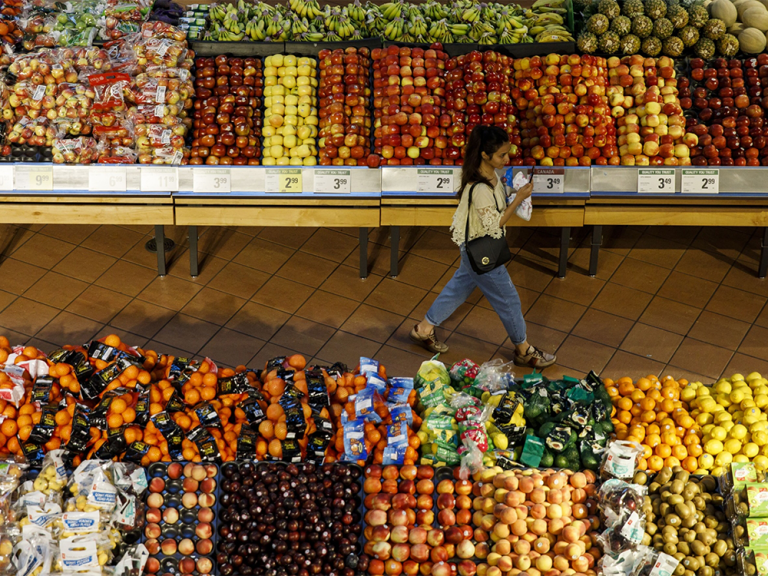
<point x="118" y="460"/>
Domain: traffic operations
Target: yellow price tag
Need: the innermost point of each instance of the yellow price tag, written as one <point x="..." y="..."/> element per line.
<point x="284" y="181"/>
<point x="40" y="178"/>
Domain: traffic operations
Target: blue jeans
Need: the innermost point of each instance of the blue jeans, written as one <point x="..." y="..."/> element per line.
<point x="496" y="286"/>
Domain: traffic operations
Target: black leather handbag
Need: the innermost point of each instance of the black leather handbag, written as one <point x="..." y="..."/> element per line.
<point x="485" y="253"/>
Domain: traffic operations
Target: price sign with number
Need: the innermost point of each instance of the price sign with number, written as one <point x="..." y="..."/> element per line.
<point x="159" y="179"/>
<point x="435" y="180"/>
<point x="38" y="178"/>
<point x="333" y="181"/>
<point x="6" y="177"/>
<point x="548" y="180"/>
<point x="701" y="181"/>
<point x="216" y="180"/>
<point x="656" y="180"/>
<point x="107" y="179"/>
<point x="283" y="181"/>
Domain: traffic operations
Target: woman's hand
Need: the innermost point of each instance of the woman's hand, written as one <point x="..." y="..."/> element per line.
<point x="525" y="191"/>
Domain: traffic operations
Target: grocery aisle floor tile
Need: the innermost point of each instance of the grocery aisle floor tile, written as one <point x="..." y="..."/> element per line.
<point x="678" y="300"/>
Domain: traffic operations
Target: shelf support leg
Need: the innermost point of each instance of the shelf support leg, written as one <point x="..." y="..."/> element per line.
<point x="160" y="241"/>
<point x="761" y="271"/>
<point x="565" y="238"/>
<point x="394" y="250"/>
<point x="597" y="240"/>
<point x="194" y="268"/>
<point x="363" y="253"/>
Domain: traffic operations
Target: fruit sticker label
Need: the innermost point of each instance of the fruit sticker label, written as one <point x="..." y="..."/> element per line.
<point x="665" y="565"/>
<point x="700" y="181"/>
<point x="432" y="180"/>
<point x="656" y="181"/>
<point x="757" y="496"/>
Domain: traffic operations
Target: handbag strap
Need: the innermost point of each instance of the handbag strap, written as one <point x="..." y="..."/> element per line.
<point x="469" y="207"/>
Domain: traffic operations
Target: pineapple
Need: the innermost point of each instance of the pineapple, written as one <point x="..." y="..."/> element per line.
<point x="704" y="48"/>
<point x="598" y="24"/>
<point x="689" y="35"/>
<point x="586" y="42"/>
<point x="697" y="15"/>
<point x="655" y="9"/>
<point x="633" y="8"/>
<point x="621" y="25"/>
<point x="609" y="8"/>
<point x="714" y="29"/>
<point x="651" y="46"/>
<point x="630" y="44"/>
<point x="673" y="46"/>
<point x="608" y="43"/>
<point x="728" y="45"/>
<point x="663" y="28"/>
<point x="678" y="16"/>
<point x="642" y="26"/>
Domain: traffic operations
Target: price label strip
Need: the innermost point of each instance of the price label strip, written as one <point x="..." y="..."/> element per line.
<point x="159" y="179"/>
<point x="211" y="180"/>
<point x="283" y="181"/>
<point x="6" y="177"/>
<point x="333" y="181"/>
<point x="107" y="179"/>
<point x="435" y="180"/>
<point x="549" y="180"/>
<point x="656" y="180"/>
<point x="701" y="181"/>
<point x="37" y="178"/>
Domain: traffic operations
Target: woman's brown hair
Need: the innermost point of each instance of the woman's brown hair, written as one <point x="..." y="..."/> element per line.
<point x="486" y="139"/>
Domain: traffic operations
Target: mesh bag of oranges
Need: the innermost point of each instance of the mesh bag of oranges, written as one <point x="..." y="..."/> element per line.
<point x="651" y="413"/>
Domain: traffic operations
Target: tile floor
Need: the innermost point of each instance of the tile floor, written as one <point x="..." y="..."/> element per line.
<point x="679" y="301"/>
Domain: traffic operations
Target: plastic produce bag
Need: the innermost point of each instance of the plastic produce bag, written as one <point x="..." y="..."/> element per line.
<point x="463" y="373"/>
<point x="34" y="554"/>
<point x="525" y="209"/>
<point x="621" y="513"/>
<point x="432" y="371"/>
<point x="494" y="375"/>
<point x="620" y="459"/>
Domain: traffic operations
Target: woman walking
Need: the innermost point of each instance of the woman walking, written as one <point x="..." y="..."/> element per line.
<point x="481" y="216"/>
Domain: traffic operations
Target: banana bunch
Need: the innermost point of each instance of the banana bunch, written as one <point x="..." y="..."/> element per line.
<point x="304" y="8"/>
<point x="395" y="30"/>
<point x="440" y="31"/>
<point x="391" y="10"/>
<point x="434" y="11"/>
<point x="549" y="27"/>
<point x="417" y="25"/>
<point x="357" y="13"/>
<point x="550" y="6"/>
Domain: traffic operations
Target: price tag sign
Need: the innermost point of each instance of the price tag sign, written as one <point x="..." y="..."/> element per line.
<point x="701" y="181"/>
<point x="656" y="180"/>
<point x="107" y="179"/>
<point x="435" y="180"/>
<point x="333" y="181"/>
<point x="159" y="179"/>
<point x="216" y="180"/>
<point x="283" y="181"/>
<point x="548" y="180"/>
<point x="6" y="177"/>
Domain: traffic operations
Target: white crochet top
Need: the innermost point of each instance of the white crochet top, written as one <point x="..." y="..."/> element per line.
<point x="484" y="217"/>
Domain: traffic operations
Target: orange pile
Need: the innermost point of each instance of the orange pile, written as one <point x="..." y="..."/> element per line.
<point x="651" y="413"/>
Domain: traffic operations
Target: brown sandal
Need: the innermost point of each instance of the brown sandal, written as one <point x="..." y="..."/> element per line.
<point x="430" y="342"/>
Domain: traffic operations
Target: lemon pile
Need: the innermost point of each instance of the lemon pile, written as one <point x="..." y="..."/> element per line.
<point x="733" y="421"/>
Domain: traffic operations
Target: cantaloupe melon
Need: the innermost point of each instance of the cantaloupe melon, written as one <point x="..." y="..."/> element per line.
<point x="755" y="18"/>
<point x="744" y="6"/>
<point x="752" y="41"/>
<point x="725" y="11"/>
